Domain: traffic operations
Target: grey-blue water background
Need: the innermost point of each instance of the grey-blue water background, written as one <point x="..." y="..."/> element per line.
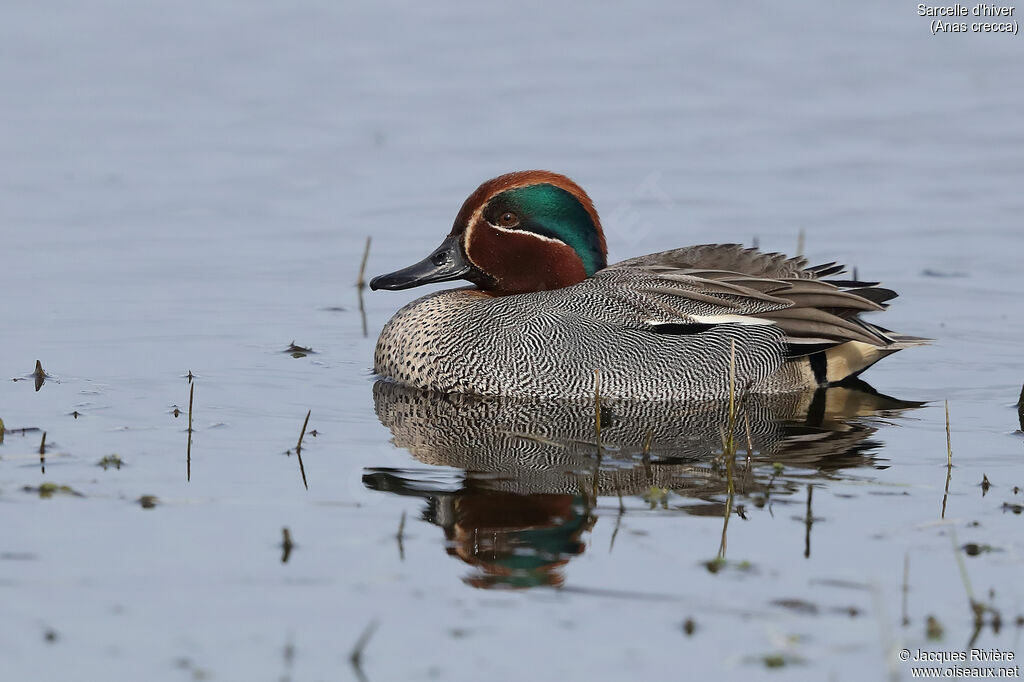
<point x="188" y="187"/>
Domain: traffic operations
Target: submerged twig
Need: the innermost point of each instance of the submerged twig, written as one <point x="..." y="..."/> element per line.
<point x="977" y="608"/>
<point x="597" y="431"/>
<point x="361" y="280"/>
<point x="1020" y="408"/>
<point x="748" y="472"/>
<point x="730" y="493"/>
<point x="729" y="451"/>
<point x="808" y="522"/>
<point x="645" y="454"/>
<point x="362" y="310"/>
<point x="949" y="463"/>
<point x="356" y="657"/>
<point x="188" y="448"/>
<point x="949" y="444"/>
<point x="298" y="449"/>
<point x="286" y="544"/>
<point x="400" y="535"/>
<point x="298" y="446"/>
<point x="906" y="587"/>
<point x="618" y="520"/>
<point x="361" y="284"/>
<point x="732" y="388"/>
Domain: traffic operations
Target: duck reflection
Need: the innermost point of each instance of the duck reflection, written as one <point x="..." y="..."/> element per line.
<point x="530" y="472"/>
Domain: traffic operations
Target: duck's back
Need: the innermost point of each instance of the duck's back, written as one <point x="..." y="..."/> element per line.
<point x="662" y="326"/>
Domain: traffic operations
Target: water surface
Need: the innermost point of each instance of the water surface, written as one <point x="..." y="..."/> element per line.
<point x="190" y="189"/>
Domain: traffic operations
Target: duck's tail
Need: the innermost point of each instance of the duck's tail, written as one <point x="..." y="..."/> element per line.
<point x="847" y="360"/>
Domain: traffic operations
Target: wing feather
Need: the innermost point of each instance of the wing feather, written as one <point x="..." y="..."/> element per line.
<point x="687" y="290"/>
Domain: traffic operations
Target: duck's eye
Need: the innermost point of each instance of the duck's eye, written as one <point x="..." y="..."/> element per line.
<point x="508" y="219"/>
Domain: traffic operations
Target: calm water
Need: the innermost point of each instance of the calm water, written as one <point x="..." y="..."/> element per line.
<point x="189" y="188"/>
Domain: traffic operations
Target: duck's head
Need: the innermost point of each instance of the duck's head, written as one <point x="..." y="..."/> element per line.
<point x="520" y="232"/>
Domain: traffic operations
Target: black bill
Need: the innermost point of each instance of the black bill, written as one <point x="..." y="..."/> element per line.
<point x="446" y="263"/>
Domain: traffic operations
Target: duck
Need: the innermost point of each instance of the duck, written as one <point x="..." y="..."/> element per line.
<point x="546" y="317"/>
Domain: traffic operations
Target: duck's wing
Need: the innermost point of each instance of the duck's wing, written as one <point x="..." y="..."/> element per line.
<point x="734" y="258"/>
<point x="686" y="290"/>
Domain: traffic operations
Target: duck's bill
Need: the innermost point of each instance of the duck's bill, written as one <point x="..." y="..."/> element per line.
<point x="446" y="263"/>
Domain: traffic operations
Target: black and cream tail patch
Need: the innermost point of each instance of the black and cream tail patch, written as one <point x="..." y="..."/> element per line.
<point x="845" y="360"/>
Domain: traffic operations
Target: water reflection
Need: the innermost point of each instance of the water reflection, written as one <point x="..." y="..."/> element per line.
<point x="530" y="472"/>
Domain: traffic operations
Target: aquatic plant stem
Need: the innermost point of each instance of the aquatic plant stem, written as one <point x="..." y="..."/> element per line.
<point x="977" y="608"/>
<point x="361" y="280"/>
<point x="949" y="463"/>
<point x="188" y="448"/>
<point x="298" y="449"/>
<point x="906" y="587"/>
<point x="356" y="657"/>
<point x="400" y="536"/>
<point x="597" y="430"/>
<point x="949" y="444"/>
<point x="729" y="451"/>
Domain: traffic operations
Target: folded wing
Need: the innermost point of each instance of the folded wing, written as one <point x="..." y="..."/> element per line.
<point x="687" y="290"/>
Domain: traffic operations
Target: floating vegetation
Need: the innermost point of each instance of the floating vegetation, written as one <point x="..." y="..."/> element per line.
<point x="933" y="629"/>
<point x="800" y="606"/>
<point x="773" y="660"/>
<point x="776" y="660"/>
<point x="689" y="627"/>
<point x="298" y="351"/>
<point x="974" y="549"/>
<point x="979" y="609"/>
<point x="719" y="564"/>
<point x="930" y="272"/>
<point x="148" y="501"/>
<point x="48" y="490"/>
<point x="657" y="497"/>
<point x="38" y="376"/>
<point x="110" y="461"/>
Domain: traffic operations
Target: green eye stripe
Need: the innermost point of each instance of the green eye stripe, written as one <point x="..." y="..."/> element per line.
<point x="552" y="212"/>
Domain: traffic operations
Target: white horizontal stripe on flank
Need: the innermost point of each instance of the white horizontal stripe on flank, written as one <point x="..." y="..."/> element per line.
<point x="729" y="319"/>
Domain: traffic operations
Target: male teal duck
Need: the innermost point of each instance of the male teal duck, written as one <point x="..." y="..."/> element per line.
<point x="547" y="311"/>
